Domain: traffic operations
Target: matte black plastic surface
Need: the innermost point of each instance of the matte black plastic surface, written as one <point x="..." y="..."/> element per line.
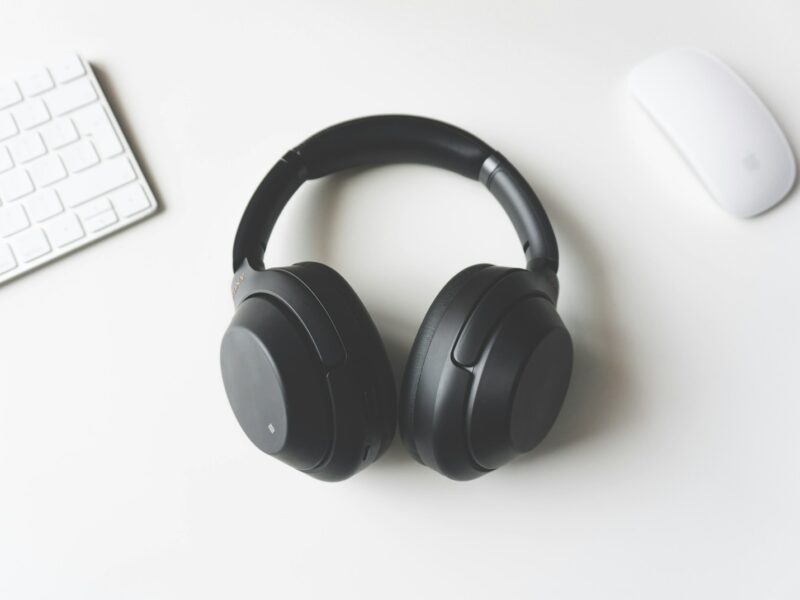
<point x="304" y="367"/>
<point x="434" y="342"/>
<point x="484" y="319"/>
<point x="263" y="210"/>
<point x="296" y="297"/>
<point x="520" y="383"/>
<point x="386" y="139"/>
<point x="326" y="418"/>
<point x="521" y="204"/>
<point x="370" y="386"/>
<point x="464" y="421"/>
<point x="276" y="384"/>
<point x="422" y="342"/>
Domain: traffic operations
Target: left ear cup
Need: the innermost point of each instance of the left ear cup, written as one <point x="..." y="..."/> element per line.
<point x="363" y="389"/>
<point x="306" y="373"/>
<point x="275" y="376"/>
<point x="490" y="374"/>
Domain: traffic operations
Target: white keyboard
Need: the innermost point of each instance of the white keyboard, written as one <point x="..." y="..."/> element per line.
<point x="67" y="174"/>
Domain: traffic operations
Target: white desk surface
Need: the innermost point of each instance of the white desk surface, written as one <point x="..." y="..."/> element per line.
<point x="673" y="471"/>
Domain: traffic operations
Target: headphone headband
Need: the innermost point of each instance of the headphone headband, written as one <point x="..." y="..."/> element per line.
<point x="387" y="139"/>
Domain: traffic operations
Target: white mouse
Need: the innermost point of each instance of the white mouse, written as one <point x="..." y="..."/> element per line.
<point x="721" y="127"/>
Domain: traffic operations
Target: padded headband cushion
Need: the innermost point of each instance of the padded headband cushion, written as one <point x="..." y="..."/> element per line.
<point x="386" y="139"/>
<point x="376" y="140"/>
<point x="392" y="139"/>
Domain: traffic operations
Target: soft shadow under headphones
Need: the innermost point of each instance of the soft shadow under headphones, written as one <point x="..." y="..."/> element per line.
<point x="305" y="369"/>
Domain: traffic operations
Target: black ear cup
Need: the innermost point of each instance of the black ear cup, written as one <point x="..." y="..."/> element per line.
<point x="420" y="347"/>
<point x="367" y="381"/>
<point x="307" y="374"/>
<point x="276" y="383"/>
<point x="488" y="372"/>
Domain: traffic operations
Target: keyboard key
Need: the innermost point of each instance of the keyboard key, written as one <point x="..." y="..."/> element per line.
<point x="67" y="68"/>
<point x="9" y="94"/>
<point x="101" y="220"/>
<point x="26" y="147"/>
<point x="7" y="125"/>
<point x="12" y="220"/>
<point x="105" y="177"/>
<point x="67" y="176"/>
<point x="64" y="229"/>
<point x="71" y="96"/>
<point x="5" y="159"/>
<point x="15" y="184"/>
<point x="93" y="122"/>
<point x="42" y="205"/>
<point x="93" y="208"/>
<point x="59" y="133"/>
<point x="35" y="82"/>
<point x="46" y="170"/>
<point x="79" y="156"/>
<point x="130" y="200"/>
<point x="31" y="113"/>
<point x="7" y="260"/>
<point x="30" y="244"/>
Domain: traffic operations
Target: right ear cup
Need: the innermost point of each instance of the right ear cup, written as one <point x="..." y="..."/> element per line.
<point x="307" y="374"/>
<point x="488" y="371"/>
<point x="421" y="346"/>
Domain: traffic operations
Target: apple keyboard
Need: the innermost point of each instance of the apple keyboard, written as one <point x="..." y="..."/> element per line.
<point x="67" y="174"/>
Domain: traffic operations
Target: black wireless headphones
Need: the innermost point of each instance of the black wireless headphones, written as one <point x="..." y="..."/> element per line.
<point x="305" y="369"/>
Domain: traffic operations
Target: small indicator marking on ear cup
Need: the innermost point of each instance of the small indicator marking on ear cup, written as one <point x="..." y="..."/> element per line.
<point x="271" y="428"/>
<point x="236" y="284"/>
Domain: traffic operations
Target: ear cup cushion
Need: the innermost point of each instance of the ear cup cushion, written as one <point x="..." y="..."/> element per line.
<point x="419" y="350"/>
<point x="366" y="354"/>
